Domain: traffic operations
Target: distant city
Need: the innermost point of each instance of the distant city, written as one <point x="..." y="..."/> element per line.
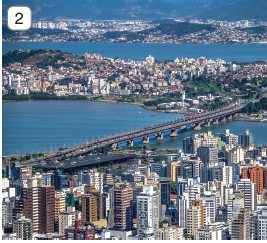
<point x="132" y="31"/>
<point x="212" y="189"/>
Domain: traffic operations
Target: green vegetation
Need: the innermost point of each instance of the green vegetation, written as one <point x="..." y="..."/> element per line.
<point x="216" y="104"/>
<point x="3" y="173"/>
<point x="213" y="87"/>
<point x="159" y="158"/>
<point x="173" y="187"/>
<point x="255" y="107"/>
<point x="178" y="29"/>
<point x="40" y="58"/>
<point x="165" y="221"/>
<point x="255" y="30"/>
<point x="7" y="33"/>
<point x="129" y="36"/>
<point x="41" y="96"/>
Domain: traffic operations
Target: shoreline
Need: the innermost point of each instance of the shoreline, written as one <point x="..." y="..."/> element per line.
<point x="238" y="118"/>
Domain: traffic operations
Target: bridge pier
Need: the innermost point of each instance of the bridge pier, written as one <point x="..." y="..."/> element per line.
<point x="130" y="143"/>
<point x="223" y="119"/>
<point x="182" y="128"/>
<point x="173" y="133"/>
<point x="197" y="127"/>
<point x="145" y="139"/>
<point x="230" y="117"/>
<point x="159" y="136"/>
<point x="215" y="121"/>
<point x="114" y="146"/>
<point x="207" y="124"/>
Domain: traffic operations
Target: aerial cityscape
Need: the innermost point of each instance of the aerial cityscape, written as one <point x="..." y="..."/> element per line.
<point x="105" y="138"/>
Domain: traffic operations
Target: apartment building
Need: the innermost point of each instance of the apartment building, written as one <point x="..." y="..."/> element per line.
<point x="37" y="204"/>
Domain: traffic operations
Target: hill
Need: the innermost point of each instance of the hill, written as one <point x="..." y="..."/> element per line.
<point x="238" y="10"/>
<point x="178" y="29"/>
<point x="7" y="33"/>
<point x="40" y="58"/>
<point x="142" y="9"/>
<point x="255" y="30"/>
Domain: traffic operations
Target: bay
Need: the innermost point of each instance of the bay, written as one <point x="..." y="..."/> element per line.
<point x="37" y="126"/>
<point x="139" y="51"/>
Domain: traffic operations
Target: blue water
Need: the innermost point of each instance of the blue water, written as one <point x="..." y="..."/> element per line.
<point x="139" y="51"/>
<point x="37" y="126"/>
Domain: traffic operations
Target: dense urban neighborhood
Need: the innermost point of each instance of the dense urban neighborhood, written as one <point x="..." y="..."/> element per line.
<point x="179" y="86"/>
<point x="167" y="31"/>
<point x="212" y="189"/>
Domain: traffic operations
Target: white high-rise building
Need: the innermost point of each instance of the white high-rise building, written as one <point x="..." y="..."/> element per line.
<point x="147" y="211"/>
<point x="18" y="78"/>
<point x="183" y="205"/>
<point x="262" y="225"/>
<point x="10" y="80"/>
<point x="91" y="178"/>
<point x="227" y="175"/>
<point x="250" y="193"/>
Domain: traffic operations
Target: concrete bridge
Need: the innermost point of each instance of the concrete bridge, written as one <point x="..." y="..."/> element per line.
<point x="196" y="121"/>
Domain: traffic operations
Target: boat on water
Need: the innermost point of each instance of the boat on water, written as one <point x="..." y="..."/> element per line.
<point x="140" y="112"/>
<point x="152" y="115"/>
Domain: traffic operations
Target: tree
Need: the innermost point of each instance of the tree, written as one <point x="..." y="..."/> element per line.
<point x="97" y="150"/>
<point x="3" y="173"/>
<point x="105" y="149"/>
<point x="173" y="187"/>
<point x="165" y="221"/>
<point x="154" y="149"/>
<point x="159" y="158"/>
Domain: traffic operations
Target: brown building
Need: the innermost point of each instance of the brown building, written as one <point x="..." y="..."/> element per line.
<point x="256" y="175"/>
<point x="123" y="196"/>
<point x="203" y="212"/>
<point x="25" y="172"/>
<point x="89" y="208"/>
<point x="241" y="226"/>
<point x="37" y="204"/>
<point x="99" y="200"/>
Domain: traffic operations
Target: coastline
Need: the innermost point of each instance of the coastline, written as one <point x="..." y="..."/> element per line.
<point x="238" y="118"/>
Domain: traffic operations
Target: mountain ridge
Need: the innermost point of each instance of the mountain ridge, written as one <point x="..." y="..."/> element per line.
<point x="230" y="10"/>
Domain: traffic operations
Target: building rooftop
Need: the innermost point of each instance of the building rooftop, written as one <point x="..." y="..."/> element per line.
<point x="84" y="161"/>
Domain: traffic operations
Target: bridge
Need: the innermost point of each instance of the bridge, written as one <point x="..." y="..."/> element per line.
<point x="195" y="121"/>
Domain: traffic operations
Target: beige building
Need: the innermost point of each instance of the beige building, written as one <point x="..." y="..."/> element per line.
<point x="23" y="228"/>
<point x="67" y="219"/>
<point x="208" y="233"/>
<point x="169" y="233"/>
<point x="194" y="219"/>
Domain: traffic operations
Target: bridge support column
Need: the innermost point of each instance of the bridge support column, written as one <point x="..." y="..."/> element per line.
<point x="173" y="133"/>
<point x="182" y="128"/>
<point x="159" y="136"/>
<point x="235" y="115"/>
<point x="114" y="146"/>
<point x="197" y="127"/>
<point x="145" y="139"/>
<point x="229" y="117"/>
<point x="130" y="143"/>
<point x="215" y="121"/>
<point x="223" y="119"/>
<point x="207" y="124"/>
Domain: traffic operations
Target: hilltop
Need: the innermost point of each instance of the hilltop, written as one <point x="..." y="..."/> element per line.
<point x="7" y="33"/>
<point x="40" y="58"/>
<point x="177" y="29"/>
